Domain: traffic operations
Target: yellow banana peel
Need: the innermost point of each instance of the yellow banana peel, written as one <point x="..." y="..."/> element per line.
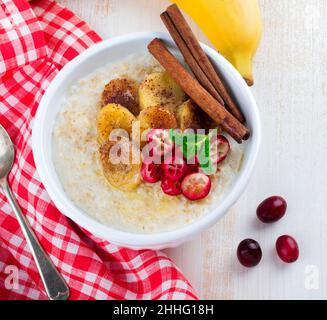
<point x="233" y="26"/>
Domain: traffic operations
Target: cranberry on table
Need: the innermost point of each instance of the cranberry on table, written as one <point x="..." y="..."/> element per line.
<point x="272" y="209"/>
<point x="287" y="249"/>
<point x="151" y="172"/>
<point x="196" y="186"/>
<point x="249" y="253"/>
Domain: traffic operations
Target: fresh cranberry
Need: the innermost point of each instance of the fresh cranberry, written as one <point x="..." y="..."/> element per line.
<point x="176" y="153"/>
<point x="171" y="187"/>
<point x="193" y="164"/>
<point x="192" y="168"/>
<point x="272" y="209"/>
<point x="160" y="142"/>
<point x="223" y="148"/>
<point x="158" y="135"/>
<point x="287" y="249"/>
<point x="219" y="148"/>
<point x="151" y="172"/>
<point x="196" y="186"/>
<point x="249" y="253"/>
<point x="174" y="168"/>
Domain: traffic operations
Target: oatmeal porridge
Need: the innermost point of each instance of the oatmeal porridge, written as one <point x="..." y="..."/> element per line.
<point x="79" y="135"/>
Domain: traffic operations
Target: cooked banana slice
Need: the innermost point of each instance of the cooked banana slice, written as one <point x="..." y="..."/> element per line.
<point x="187" y="116"/>
<point x="157" y="118"/>
<point x="159" y="89"/>
<point x="122" y="91"/>
<point x="118" y="168"/>
<point x="113" y="116"/>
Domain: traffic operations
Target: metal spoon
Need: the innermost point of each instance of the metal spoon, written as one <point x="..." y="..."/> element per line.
<point x="54" y="283"/>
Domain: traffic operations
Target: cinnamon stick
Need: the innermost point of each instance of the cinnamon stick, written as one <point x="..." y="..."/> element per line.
<point x="202" y="59"/>
<point x="189" y="58"/>
<point x="197" y="93"/>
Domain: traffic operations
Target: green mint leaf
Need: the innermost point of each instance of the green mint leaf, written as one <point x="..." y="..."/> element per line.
<point x="193" y="145"/>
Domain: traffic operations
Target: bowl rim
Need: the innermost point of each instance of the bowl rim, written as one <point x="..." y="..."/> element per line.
<point x="123" y="238"/>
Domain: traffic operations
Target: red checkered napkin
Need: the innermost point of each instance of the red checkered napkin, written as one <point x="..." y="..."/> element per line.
<point x="35" y="42"/>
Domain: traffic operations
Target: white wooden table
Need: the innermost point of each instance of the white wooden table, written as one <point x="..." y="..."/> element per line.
<point x="291" y="91"/>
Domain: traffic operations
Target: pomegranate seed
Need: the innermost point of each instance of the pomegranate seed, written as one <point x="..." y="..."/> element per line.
<point x="287" y="249"/>
<point x="272" y="209"/>
<point x="249" y="253"/>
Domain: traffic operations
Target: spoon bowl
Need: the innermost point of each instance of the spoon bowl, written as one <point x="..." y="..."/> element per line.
<point x="7" y="153"/>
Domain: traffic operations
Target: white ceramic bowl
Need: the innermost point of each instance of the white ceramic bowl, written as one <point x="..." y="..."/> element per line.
<point x="114" y="50"/>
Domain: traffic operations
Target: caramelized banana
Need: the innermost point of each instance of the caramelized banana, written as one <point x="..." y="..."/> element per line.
<point x="122" y="91"/>
<point x="187" y="116"/>
<point x="157" y="118"/>
<point x="159" y="89"/>
<point x="113" y="116"/>
<point x="118" y="168"/>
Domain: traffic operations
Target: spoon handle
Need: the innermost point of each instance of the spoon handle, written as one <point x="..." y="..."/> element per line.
<point x="54" y="283"/>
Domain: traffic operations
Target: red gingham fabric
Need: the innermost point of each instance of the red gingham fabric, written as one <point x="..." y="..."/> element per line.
<point x="35" y="42"/>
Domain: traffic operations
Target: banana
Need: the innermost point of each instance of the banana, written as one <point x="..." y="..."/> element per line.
<point x="118" y="168"/>
<point x="157" y="117"/>
<point x="159" y="89"/>
<point x="113" y="116"/>
<point x="233" y="26"/>
<point x="122" y="91"/>
<point x="187" y="116"/>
